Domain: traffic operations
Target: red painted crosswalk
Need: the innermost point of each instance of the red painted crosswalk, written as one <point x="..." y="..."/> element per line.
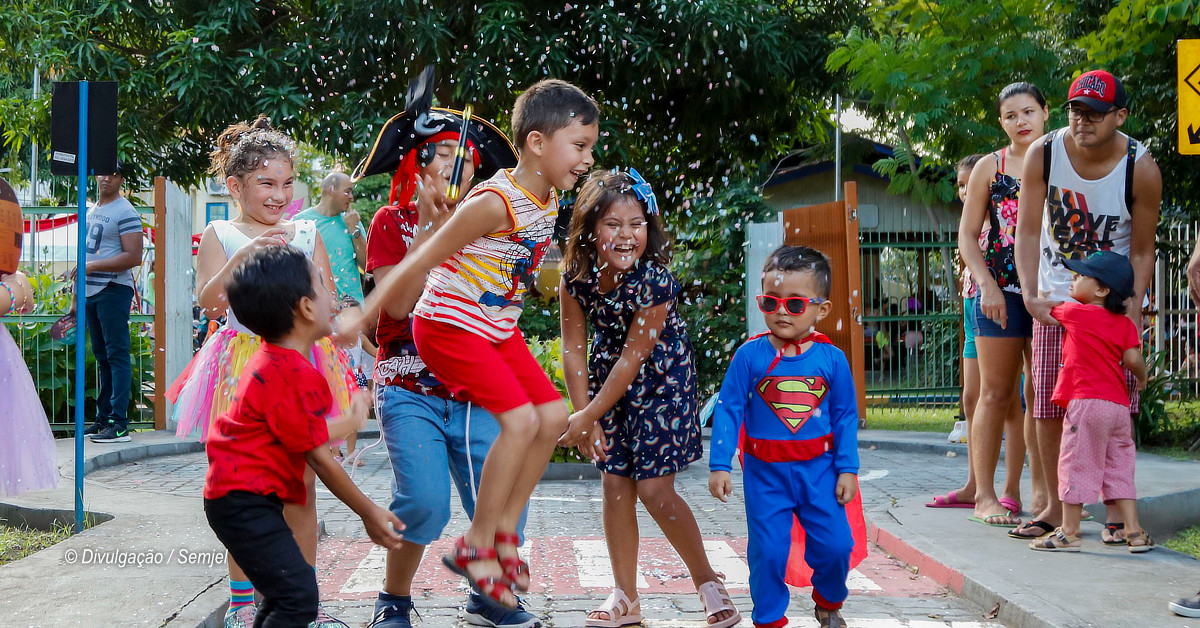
<point x="353" y="569"/>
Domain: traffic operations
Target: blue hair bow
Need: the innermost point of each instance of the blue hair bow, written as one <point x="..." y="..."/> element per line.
<point x="644" y="192"/>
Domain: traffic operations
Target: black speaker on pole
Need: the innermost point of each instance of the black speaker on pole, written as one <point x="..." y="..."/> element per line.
<point x="102" y="128"/>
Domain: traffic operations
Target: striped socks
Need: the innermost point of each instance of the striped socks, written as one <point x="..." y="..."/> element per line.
<point x="241" y="593"/>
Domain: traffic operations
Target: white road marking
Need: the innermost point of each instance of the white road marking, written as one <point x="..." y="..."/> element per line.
<point x="873" y="474"/>
<point x="368" y="576"/>
<point x="595" y="572"/>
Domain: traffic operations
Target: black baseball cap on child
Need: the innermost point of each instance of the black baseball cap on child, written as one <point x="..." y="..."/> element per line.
<point x="1111" y="268"/>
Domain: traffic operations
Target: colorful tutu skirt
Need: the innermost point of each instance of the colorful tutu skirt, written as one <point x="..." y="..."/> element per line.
<point x="206" y="387"/>
<point x="28" y="461"/>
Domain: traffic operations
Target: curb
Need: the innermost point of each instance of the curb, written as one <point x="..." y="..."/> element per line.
<point x="913" y="447"/>
<point x="966" y="587"/>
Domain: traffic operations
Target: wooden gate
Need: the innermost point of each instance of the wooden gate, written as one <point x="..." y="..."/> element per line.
<point x="832" y="228"/>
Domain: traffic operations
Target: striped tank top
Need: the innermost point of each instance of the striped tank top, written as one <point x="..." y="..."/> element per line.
<point x="481" y="288"/>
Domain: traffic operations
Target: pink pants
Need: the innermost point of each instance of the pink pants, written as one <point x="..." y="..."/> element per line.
<point x="1097" y="453"/>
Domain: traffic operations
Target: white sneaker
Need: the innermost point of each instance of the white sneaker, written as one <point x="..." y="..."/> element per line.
<point x="959" y="433"/>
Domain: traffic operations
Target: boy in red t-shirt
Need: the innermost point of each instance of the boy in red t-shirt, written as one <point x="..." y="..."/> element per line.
<point x="276" y="423"/>
<point x="1097" y="443"/>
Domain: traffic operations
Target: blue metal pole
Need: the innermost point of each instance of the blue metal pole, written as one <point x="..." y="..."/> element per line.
<point x="81" y="300"/>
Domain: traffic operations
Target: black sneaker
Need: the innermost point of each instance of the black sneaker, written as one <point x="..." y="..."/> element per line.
<point x="1186" y="606"/>
<point x="392" y="614"/>
<point x="829" y="618"/>
<point x="482" y="613"/>
<point x="111" y="434"/>
<point x="94" y="428"/>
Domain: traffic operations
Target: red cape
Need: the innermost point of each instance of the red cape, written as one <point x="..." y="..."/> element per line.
<point x="798" y="573"/>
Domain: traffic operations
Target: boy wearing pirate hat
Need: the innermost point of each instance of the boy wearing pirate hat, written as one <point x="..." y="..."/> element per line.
<point x="415" y="410"/>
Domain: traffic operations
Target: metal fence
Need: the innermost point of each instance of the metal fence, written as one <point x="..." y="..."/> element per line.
<point x="49" y="252"/>
<point x="913" y="318"/>
<point x="1170" y="315"/>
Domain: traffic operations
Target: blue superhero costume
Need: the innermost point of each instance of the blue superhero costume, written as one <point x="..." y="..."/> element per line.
<point x="800" y="420"/>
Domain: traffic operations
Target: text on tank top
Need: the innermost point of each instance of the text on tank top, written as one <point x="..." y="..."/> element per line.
<point x="232" y="240"/>
<point x="1081" y="216"/>
<point x="481" y="288"/>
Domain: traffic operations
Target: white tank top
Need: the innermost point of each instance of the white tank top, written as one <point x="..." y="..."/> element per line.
<point x="482" y="287"/>
<point x="1081" y="216"/>
<point x="232" y="239"/>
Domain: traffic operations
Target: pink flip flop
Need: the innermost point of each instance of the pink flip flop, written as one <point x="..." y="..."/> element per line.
<point x="949" y="500"/>
<point x="1011" y="504"/>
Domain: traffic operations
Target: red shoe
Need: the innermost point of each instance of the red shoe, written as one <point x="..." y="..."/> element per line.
<point x="515" y="569"/>
<point x="491" y="588"/>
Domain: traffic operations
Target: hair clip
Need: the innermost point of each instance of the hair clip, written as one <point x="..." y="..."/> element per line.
<point x="643" y="191"/>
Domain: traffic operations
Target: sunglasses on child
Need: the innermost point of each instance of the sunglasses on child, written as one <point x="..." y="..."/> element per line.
<point x="794" y="305"/>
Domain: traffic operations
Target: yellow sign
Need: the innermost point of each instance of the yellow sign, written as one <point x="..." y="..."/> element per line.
<point x="1189" y="96"/>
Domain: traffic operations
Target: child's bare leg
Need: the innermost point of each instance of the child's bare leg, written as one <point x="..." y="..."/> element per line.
<point x="401" y="568"/>
<point x="506" y="461"/>
<point x="1072" y="513"/>
<point x="678" y="524"/>
<point x="621" y="531"/>
<point x="970" y="398"/>
<point x="303" y="519"/>
<point x="1128" y="510"/>
<point x="550" y="421"/>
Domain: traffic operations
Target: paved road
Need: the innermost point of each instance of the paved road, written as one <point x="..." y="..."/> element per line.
<point x="569" y="561"/>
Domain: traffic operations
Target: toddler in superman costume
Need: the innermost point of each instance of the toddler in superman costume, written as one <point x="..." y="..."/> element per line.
<point x="788" y="403"/>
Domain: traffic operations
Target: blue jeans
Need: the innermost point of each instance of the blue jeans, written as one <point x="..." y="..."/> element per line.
<point x="425" y="436"/>
<point x="108" y="328"/>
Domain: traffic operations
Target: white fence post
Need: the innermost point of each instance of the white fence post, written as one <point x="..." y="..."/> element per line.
<point x="177" y="289"/>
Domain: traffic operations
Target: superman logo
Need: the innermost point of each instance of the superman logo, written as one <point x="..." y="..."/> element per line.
<point x="793" y="399"/>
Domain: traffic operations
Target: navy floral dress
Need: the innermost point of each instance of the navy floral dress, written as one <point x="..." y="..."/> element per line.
<point x="655" y="427"/>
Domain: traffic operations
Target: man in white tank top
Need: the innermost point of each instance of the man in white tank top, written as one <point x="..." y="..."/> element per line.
<point x="1085" y="188"/>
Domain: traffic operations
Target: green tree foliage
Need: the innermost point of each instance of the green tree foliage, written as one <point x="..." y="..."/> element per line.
<point x="690" y="90"/>
<point x="928" y="75"/>
<point x="1136" y="40"/>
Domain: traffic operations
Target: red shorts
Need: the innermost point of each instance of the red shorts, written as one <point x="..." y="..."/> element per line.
<point x="497" y="376"/>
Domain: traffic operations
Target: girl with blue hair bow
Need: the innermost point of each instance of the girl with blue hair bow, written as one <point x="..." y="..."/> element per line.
<point x="634" y="392"/>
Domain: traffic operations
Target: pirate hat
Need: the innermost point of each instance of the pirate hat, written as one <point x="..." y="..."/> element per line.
<point x="420" y="123"/>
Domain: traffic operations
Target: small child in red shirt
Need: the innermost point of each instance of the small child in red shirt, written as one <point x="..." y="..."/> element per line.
<point x="276" y="423"/>
<point x="1097" y="443"/>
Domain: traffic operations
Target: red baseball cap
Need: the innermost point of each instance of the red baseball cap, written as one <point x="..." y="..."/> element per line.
<point x="1099" y="90"/>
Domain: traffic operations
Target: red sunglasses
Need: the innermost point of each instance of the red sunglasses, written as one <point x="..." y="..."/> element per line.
<point x="794" y="305"/>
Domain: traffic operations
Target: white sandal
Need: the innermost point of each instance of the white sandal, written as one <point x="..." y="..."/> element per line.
<point x="715" y="599"/>
<point x="620" y="609"/>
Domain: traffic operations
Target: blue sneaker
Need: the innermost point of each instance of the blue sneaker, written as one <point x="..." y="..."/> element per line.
<point x="481" y="613"/>
<point x="392" y="614"/>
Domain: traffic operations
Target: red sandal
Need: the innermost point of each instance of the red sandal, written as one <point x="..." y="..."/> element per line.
<point x="490" y="587"/>
<point x="514" y="568"/>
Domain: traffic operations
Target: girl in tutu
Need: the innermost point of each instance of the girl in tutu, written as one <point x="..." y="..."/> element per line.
<point x="257" y="163"/>
<point x="27" y="457"/>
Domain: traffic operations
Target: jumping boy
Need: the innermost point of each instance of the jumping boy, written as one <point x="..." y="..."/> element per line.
<point x="258" y="450"/>
<point x="475" y="271"/>
<point x="793" y="393"/>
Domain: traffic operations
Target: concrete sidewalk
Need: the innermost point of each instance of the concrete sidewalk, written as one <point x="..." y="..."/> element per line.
<point x="155" y="562"/>
<point x="1101" y="586"/>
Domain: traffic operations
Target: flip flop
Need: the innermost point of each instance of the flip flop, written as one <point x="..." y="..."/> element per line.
<point x="1011" y="504"/>
<point x="949" y="500"/>
<point x="1036" y="523"/>
<point x="1112" y="529"/>
<point x="987" y="520"/>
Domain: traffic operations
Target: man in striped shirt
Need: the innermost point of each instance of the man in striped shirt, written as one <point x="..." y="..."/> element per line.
<point x="114" y="248"/>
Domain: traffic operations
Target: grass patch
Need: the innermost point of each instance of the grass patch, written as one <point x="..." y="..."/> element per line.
<point x="1186" y="541"/>
<point x="911" y="418"/>
<point x="17" y="543"/>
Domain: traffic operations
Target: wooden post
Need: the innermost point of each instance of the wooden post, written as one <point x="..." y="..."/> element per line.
<point x="854" y="277"/>
<point x="160" y="291"/>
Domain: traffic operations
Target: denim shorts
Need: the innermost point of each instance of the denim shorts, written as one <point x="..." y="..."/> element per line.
<point x="431" y="441"/>
<point x="969" y="351"/>
<point x="1019" y="325"/>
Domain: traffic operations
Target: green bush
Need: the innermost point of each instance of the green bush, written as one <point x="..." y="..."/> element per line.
<point x="51" y="363"/>
<point x="548" y="354"/>
<point x="710" y="263"/>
